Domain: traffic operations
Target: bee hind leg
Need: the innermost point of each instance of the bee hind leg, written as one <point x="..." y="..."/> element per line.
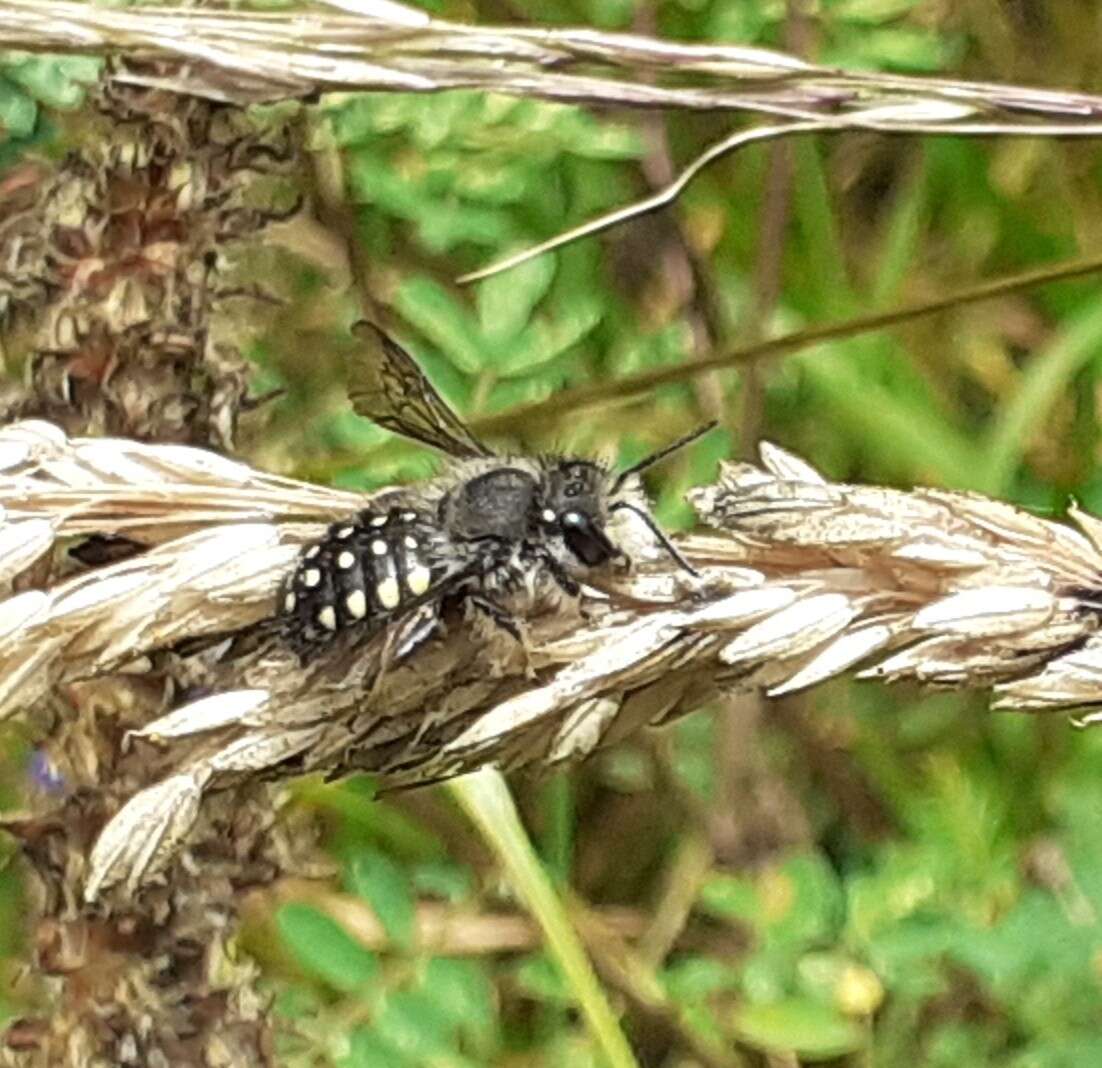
<point x="566" y="583"/>
<point x="510" y="624"/>
<point x="501" y="616"/>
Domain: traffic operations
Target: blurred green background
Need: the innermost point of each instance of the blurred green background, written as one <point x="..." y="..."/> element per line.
<point x="862" y="875"/>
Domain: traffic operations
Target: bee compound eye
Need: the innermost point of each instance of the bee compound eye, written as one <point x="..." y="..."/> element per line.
<point x="586" y="540"/>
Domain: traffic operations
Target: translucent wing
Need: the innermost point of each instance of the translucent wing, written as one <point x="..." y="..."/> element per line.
<point x="389" y="388"/>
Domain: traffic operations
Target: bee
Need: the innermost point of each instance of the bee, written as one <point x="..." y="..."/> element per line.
<point x="495" y="527"/>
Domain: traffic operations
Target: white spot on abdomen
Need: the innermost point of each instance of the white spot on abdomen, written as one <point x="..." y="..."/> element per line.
<point x="388" y="592"/>
<point x="356" y="603"/>
<point x="418" y="579"/>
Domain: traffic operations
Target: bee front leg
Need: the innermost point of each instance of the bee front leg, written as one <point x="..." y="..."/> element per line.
<point x="508" y="623"/>
<point x="566" y="582"/>
<point x="501" y="616"/>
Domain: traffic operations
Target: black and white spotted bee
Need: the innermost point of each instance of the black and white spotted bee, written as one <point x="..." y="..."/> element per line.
<point x="495" y="527"/>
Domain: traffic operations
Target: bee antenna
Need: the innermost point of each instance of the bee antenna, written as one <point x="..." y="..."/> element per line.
<point x="661" y="454"/>
<point x="657" y="531"/>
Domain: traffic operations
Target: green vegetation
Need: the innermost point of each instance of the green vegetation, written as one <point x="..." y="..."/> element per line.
<point x="862" y="875"/>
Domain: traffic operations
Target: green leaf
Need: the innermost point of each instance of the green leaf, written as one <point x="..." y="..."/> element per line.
<point x="538" y="977"/>
<point x="298" y="1002"/>
<point x="445" y="880"/>
<point x="375" y="877"/>
<point x="901" y="428"/>
<point x="56" y="81"/>
<point x="442" y="221"/>
<point x="695" y="979"/>
<point x="18" y="111"/>
<point x="908" y="955"/>
<point x="463" y="993"/>
<point x="368" y="1049"/>
<point x="806" y="1028"/>
<point x="414" y="1025"/>
<point x="770" y="972"/>
<point x="892" y="48"/>
<point x="428" y="306"/>
<point x="795" y="903"/>
<point x="612" y="14"/>
<point x="441" y="227"/>
<point x="491" y="180"/>
<point x="582" y="135"/>
<point x="734" y="897"/>
<point x="445" y="119"/>
<point x="640" y="352"/>
<point x="506" y="301"/>
<point x="902" y="241"/>
<point x="371" y="181"/>
<point x="1047" y="378"/>
<point x="951" y="1043"/>
<point x="829" y="285"/>
<point x="838" y="978"/>
<point x="544" y="340"/>
<point x="324" y="949"/>
<point x="513" y="392"/>
<point x="872" y="11"/>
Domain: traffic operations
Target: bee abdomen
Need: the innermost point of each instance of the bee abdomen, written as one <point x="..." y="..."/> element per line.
<point x="359" y="575"/>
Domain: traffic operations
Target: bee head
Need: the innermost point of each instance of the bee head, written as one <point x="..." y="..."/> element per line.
<point x="576" y="506"/>
<point x="581" y="495"/>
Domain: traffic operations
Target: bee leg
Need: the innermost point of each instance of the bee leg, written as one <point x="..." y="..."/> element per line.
<point x="417" y="631"/>
<point x="567" y="584"/>
<point x="505" y="620"/>
<point x="405" y="638"/>
<point x="508" y="623"/>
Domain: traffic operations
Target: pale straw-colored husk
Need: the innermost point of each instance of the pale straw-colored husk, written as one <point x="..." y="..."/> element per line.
<point x="799" y="580"/>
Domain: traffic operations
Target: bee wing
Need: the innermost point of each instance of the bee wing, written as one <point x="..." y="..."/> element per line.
<point x="389" y="388"/>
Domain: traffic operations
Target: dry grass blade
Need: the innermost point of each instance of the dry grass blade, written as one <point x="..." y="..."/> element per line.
<point x="262" y="55"/>
<point x="243" y="57"/>
<point x="218" y="537"/>
<point x="148" y="492"/>
<point x="801" y="579"/>
<point x="661" y="199"/>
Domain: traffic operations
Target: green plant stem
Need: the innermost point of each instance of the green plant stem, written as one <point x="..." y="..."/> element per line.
<point x="582" y="397"/>
<point x="485" y="798"/>
<point x="1027" y="411"/>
